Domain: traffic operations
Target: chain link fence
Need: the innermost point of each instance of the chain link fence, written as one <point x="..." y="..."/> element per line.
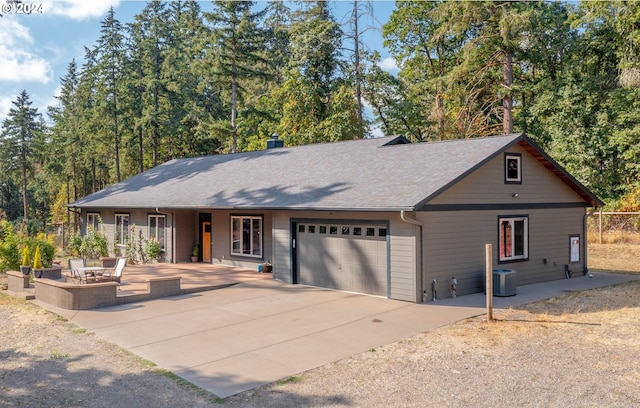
<point x="610" y="227"/>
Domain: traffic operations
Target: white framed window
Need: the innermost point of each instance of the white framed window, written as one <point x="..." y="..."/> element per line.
<point x="93" y="221"/>
<point x="157" y="224"/>
<point x="513" y="168"/>
<point x="246" y="236"/>
<point x="513" y="238"/>
<point x="122" y="229"/>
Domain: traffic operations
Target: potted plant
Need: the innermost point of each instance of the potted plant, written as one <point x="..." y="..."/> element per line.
<point x="25" y="266"/>
<point x="37" y="263"/>
<point x="195" y="252"/>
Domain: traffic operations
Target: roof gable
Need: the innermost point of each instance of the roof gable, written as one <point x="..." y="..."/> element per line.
<point x="371" y="174"/>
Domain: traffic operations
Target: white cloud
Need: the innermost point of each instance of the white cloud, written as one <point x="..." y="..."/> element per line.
<point x="57" y="92"/>
<point x="5" y="105"/>
<point x="17" y="62"/>
<point x="79" y="9"/>
<point x="389" y="65"/>
<point x="377" y="132"/>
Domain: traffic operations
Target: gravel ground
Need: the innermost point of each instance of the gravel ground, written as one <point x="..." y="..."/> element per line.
<point x="580" y="350"/>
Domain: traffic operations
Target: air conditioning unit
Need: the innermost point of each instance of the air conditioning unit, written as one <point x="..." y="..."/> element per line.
<point x="504" y="282"/>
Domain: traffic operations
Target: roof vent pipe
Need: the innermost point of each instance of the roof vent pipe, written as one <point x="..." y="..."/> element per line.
<point x="274" y="142"/>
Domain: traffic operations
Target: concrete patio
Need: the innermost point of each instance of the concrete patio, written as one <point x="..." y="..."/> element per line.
<point x="194" y="276"/>
<point x="138" y="283"/>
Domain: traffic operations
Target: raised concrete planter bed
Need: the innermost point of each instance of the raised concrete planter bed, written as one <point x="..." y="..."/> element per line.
<point x="55" y="272"/>
<point x="74" y="296"/>
<point x="17" y="281"/>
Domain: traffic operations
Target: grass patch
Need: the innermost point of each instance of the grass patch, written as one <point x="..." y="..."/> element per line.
<point x="614" y="237"/>
<point x="56" y="355"/>
<point x="290" y="380"/>
<point x="7" y="300"/>
<point x="614" y="257"/>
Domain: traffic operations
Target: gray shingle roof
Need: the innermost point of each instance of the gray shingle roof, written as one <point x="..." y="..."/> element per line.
<point x="351" y="175"/>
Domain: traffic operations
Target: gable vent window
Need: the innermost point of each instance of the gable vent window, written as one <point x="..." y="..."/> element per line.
<point x="512" y="168"/>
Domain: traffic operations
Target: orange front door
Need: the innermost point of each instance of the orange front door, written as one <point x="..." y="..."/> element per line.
<point x="206" y="242"/>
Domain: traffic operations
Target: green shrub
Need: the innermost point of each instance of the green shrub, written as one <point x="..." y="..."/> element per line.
<point x="130" y="246"/>
<point x="37" y="259"/>
<point x="74" y="246"/>
<point x="10" y="245"/>
<point x="47" y="249"/>
<point x="25" y="256"/>
<point x="153" y="250"/>
<point x="16" y="247"/>
<point x="93" y="245"/>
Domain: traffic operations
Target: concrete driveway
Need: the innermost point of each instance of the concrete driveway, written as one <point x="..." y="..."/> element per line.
<point x="235" y="339"/>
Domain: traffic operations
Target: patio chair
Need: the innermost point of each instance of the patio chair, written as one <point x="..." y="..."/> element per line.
<point x="75" y="265"/>
<point x="116" y="274"/>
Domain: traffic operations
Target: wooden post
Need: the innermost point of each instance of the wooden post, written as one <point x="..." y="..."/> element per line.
<point x="489" y="284"/>
<point x="600" y="224"/>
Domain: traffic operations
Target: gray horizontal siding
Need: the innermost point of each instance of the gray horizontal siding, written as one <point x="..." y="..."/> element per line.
<point x="486" y="185"/>
<point x="455" y="246"/>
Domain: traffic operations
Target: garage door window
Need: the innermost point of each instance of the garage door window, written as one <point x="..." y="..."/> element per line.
<point x="345" y="231"/>
<point x="246" y="236"/>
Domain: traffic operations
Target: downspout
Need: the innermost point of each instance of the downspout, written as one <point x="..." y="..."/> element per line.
<point x="173" y="237"/>
<point x="412" y="221"/>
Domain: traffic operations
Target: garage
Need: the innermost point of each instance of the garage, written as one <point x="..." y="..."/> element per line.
<point x="345" y="256"/>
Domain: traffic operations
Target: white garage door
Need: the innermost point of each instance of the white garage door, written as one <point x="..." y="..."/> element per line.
<point x="343" y="256"/>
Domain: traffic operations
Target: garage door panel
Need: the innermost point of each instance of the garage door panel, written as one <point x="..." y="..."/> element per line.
<point x="355" y="258"/>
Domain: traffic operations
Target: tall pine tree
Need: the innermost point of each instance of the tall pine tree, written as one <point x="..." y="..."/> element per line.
<point x="19" y="138"/>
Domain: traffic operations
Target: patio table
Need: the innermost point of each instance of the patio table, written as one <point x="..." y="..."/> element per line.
<point x="87" y="272"/>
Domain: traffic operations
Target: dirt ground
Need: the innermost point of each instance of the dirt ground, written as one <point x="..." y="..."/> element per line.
<point x="579" y="350"/>
<point x="614" y="257"/>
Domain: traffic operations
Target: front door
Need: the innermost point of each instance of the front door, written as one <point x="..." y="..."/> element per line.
<point x="206" y="241"/>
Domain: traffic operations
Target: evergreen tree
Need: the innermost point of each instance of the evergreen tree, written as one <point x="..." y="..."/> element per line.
<point x="20" y="132"/>
<point x="110" y="66"/>
<point x="189" y="108"/>
<point x="237" y="41"/>
<point x="155" y="39"/>
<point x="317" y="104"/>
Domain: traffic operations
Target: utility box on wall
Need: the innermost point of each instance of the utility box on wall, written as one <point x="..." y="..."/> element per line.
<point x="504" y="282"/>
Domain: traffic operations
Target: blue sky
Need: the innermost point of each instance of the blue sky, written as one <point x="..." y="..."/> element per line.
<point x="36" y="49"/>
